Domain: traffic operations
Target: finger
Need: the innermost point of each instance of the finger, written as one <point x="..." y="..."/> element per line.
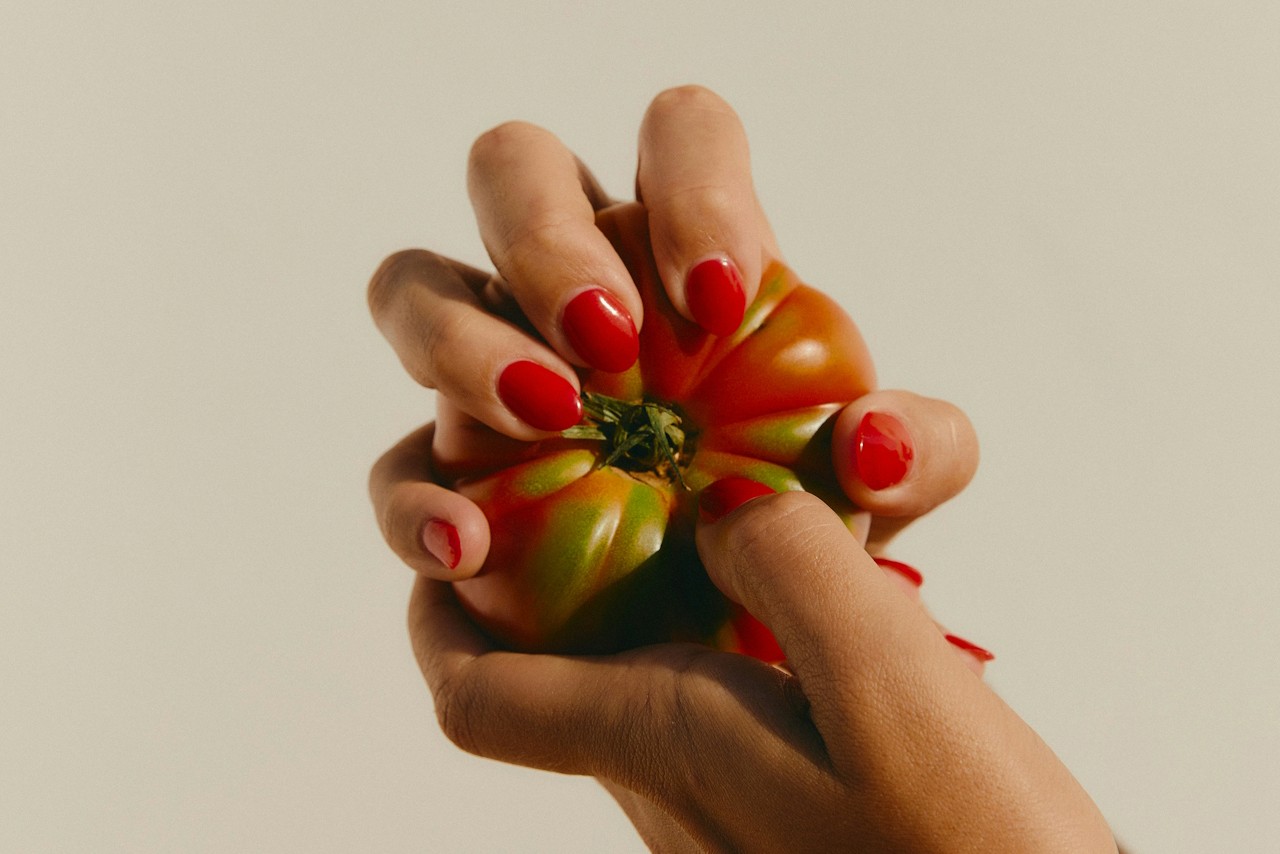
<point x="435" y="531"/>
<point x="710" y="238"/>
<point x="430" y="309"/>
<point x="535" y="204"/>
<point x="612" y="717"/>
<point x="538" y="710"/>
<point x="904" y="721"/>
<point x="866" y="656"/>
<point x="574" y="715"/>
<point x="899" y="455"/>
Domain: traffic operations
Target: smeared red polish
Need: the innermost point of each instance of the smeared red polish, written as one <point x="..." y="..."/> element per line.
<point x="908" y="572"/>
<point x="441" y="540"/>
<point x="728" y="494"/>
<point x="717" y="301"/>
<point x="970" y="647"/>
<point x="601" y="331"/>
<point x="882" y="451"/>
<point x="539" y="396"/>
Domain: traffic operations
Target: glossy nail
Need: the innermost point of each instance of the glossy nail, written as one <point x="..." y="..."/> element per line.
<point x="882" y="451"/>
<point x="970" y="647"/>
<point x="601" y="331"/>
<point x="908" y="572"/>
<point x="441" y="541"/>
<point x="539" y="396"/>
<point x="713" y="290"/>
<point x="728" y="494"/>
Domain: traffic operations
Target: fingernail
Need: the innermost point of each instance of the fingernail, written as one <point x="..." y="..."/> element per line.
<point x="908" y="572"/>
<point x="882" y="451"/>
<point x="715" y="296"/>
<point x="441" y="540"/>
<point x="601" y="331"/>
<point x="726" y="495"/>
<point x="970" y="647"/>
<point x="539" y="396"/>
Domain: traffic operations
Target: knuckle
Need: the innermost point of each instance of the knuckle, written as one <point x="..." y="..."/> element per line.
<point x="785" y="528"/>
<point x="457" y="710"/>
<point x="398" y="521"/>
<point x="709" y="202"/>
<point x="443" y="337"/>
<point x="379" y="473"/>
<point x="380" y="476"/>
<point x="529" y="244"/>
<point x="390" y="276"/>
<point x="653" y="718"/>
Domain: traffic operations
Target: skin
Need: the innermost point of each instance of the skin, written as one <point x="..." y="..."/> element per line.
<point x="880" y="735"/>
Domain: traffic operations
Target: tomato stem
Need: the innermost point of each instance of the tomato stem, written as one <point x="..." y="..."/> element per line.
<point x="645" y="436"/>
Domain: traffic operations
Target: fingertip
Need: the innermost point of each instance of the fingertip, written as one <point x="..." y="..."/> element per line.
<point x="974" y="657"/>
<point x="883" y="450"/>
<point x="538" y="396"/>
<point x="898" y="454"/>
<point x="465" y="538"/>
<point x="715" y="295"/>
<point x="708" y="232"/>
<point x="904" y="576"/>
<point x="601" y="330"/>
<point x="453" y="545"/>
<point x="440" y="539"/>
<point x="438" y="533"/>
<point x="728" y="494"/>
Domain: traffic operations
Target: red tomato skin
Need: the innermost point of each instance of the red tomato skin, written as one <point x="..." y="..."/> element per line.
<point x="585" y="559"/>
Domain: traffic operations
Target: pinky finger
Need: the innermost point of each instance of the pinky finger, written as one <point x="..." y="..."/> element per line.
<point x="438" y="533"/>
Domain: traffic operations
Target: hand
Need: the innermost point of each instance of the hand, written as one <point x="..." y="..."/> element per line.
<point x="562" y="298"/>
<point x="879" y="738"/>
<point x="456" y="328"/>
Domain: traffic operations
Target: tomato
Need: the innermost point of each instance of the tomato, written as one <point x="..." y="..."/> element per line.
<point x="594" y="557"/>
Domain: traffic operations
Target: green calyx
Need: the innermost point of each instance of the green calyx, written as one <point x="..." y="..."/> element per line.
<point x="638" y="437"/>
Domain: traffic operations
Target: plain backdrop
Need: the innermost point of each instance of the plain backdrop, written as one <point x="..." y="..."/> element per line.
<point x="1065" y="217"/>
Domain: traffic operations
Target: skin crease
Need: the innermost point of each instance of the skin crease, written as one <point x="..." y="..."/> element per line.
<point x="880" y="735"/>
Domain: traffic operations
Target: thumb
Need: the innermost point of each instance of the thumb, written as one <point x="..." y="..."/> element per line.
<point x="869" y="660"/>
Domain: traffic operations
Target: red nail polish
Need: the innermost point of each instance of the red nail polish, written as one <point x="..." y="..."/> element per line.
<point x="539" y="396"/>
<point x="716" y="299"/>
<point x="601" y="330"/>
<point x="441" y="540"/>
<point x="755" y="639"/>
<point x="728" y="494"/>
<point x="882" y="451"/>
<point x="970" y="647"/>
<point x="908" y="572"/>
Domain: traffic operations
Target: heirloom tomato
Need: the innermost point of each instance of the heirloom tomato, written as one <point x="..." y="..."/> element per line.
<point x="592" y="532"/>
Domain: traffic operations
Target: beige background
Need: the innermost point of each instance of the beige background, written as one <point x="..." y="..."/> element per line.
<point x="1063" y="216"/>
